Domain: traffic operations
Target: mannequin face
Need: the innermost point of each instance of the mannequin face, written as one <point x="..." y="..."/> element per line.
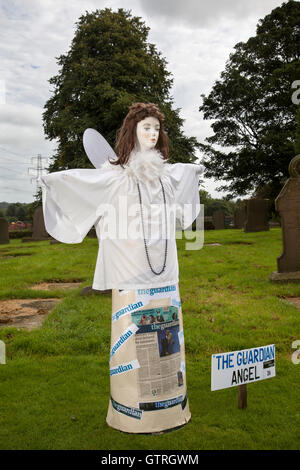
<point x="147" y="133"/>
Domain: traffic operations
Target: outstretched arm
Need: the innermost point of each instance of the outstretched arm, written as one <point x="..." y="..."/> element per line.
<point x="185" y="179"/>
<point x="71" y="202"/>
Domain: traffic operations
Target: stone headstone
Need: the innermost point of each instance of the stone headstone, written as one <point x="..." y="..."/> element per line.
<point x="257" y="215"/>
<point x="39" y="230"/>
<point x="4" y="235"/>
<point x="287" y="204"/>
<point x="240" y="216"/>
<point x="208" y="223"/>
<point x="219" y="219"/>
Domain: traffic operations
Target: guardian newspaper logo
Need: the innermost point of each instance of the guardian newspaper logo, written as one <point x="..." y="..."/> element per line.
<point x="171" y="292"/>
<point x="121" y="368"/>
<point x="125" y="336"/>
<point x="157" y="290"/>
<point x="126" y="310"/>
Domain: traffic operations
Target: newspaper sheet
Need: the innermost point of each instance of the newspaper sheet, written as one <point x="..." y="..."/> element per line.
<point x="158" y="352"/>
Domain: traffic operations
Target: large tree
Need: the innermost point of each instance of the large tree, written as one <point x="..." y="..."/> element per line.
<point x="252" y="108"/>
<point x="109" y="66"/>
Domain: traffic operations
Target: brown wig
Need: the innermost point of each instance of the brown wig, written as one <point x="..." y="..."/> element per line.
<point x="126" y="135"/>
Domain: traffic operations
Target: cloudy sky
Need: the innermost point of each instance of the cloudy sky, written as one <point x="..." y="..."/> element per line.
<point x="195" y="37"/>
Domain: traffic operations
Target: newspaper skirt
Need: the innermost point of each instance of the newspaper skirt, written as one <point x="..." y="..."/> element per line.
<point x="148" y="390"/>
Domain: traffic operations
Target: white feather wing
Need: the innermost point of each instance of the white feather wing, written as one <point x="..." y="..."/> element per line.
<point x="97" y="148"/>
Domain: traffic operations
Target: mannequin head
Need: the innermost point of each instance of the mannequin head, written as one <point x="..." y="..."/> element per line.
<point x="147" y="133"/>
<point x="143" y="123"/>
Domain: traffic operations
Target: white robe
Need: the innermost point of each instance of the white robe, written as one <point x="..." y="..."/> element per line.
<point x="74" y="201"/>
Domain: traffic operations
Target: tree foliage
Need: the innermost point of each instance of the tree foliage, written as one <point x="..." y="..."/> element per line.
<point x="109" y="66"/>
<point x="252" y="108"/>
<point x="17" y="211"/>
<point x="211" y="204"/>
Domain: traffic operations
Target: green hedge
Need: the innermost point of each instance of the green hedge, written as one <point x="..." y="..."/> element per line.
<point x="20" y="233"/>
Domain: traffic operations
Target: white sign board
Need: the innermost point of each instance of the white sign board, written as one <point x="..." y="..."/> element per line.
<point x="241" y="367"/>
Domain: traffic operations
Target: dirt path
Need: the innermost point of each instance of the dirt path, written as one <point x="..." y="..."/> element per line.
<point x="25" y="313"/>
<point x="56" y="285"/>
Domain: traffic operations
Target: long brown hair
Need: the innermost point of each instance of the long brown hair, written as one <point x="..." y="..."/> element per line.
<point x="126" y="135"/>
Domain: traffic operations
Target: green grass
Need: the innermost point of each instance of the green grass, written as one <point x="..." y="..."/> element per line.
<point x="54" y="388"/>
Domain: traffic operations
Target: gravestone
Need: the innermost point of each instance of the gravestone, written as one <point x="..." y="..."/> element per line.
<point x="287" y="204"/>
<point x="208" y="223"/>
<point x="4" y="235"/>
<point x="240" y="216"/>
<point x="257" y="215"/>
<point x="39" y="230"/>
<point x="219" y="219"/>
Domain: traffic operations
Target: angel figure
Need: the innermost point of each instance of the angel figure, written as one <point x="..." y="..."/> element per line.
<point x="128" y="198"/>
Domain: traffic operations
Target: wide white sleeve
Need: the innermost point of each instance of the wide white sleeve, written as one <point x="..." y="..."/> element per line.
<point x="185" y="179"/>
<point x="72" y="202"/>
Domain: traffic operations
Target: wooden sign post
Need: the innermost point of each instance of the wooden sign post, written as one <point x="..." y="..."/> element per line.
<point x="242" y="399"/>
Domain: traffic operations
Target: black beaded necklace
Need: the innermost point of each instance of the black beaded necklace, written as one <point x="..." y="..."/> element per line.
<point x="145" y="244"/>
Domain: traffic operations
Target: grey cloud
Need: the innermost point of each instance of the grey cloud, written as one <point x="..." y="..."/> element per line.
<point x="199" y="13"/>
<point x="21" y="139"/>
<point x="194" y="36"/>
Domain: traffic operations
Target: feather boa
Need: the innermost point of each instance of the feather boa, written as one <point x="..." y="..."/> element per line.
<point x="148" y="165"/>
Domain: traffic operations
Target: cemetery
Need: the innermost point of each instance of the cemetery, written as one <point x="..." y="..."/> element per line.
<point x="240" y="289"/>
<point x="185" y="337"/>
<point x="230" y="303"/>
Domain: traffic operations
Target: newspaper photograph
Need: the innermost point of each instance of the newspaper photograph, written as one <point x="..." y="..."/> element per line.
<point x="158" y="352"/>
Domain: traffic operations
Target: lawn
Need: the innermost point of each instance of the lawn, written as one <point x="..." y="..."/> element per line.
<point x="54" y="387"/>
